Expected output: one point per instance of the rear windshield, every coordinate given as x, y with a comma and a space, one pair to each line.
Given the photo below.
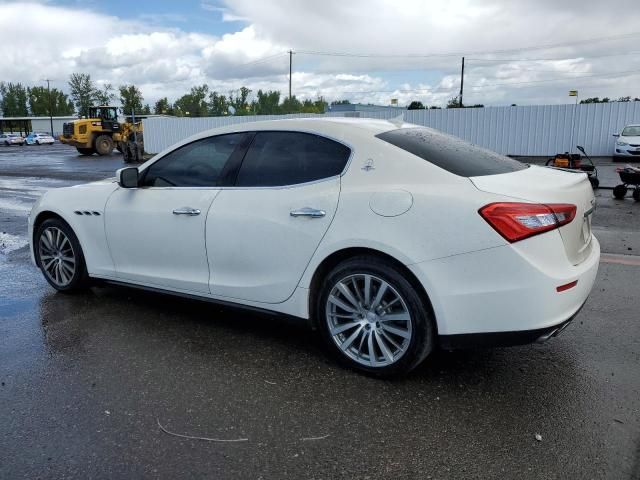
450, 153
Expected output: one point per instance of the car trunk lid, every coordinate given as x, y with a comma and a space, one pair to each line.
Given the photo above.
550, 185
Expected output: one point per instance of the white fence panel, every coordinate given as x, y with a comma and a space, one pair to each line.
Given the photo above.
537, 130
534, 130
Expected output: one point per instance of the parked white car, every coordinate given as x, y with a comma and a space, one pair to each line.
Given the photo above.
39, 139
628, 142
391, 239
8, 139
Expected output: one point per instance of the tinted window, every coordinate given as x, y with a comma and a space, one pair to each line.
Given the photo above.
288, 158
197, 164
450, 153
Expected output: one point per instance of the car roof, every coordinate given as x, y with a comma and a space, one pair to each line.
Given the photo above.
332, 126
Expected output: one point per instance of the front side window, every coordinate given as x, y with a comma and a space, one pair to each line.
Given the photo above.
197, 164
289, 158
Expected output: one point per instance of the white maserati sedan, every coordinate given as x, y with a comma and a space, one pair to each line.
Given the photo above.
392, 239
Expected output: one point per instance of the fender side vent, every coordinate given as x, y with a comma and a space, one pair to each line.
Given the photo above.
87, 212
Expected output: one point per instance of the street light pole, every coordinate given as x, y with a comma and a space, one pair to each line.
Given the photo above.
50, 108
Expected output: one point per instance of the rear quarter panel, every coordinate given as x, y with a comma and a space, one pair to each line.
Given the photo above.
443, 219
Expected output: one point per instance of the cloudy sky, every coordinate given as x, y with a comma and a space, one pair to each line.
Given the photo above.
517, 51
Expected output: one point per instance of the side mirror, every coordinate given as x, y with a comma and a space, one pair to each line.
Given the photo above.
127, 177
615, 134
581, 149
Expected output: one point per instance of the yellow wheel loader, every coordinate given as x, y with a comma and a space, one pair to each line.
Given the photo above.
100, 133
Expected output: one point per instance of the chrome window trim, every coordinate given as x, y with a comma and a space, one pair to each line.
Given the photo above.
278, 187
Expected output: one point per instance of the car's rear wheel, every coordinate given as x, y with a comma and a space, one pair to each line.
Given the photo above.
636, 194
373, 319
60, 257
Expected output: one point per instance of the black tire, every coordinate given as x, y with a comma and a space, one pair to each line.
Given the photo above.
595, 183
422, 324
6, 144
636, 194
85, 151
103, 145
80, 279
619, 191
38, 142
119, 147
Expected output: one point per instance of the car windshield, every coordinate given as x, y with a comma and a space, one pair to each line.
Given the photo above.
631, 131
451, 153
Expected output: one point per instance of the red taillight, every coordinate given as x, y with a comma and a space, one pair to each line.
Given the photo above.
566, 286
517, 221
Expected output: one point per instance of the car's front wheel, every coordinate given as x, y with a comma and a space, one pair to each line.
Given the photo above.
373, 319
60, 257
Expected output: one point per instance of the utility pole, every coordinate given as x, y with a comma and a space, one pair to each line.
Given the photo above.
462, 82
50, 109
290, 70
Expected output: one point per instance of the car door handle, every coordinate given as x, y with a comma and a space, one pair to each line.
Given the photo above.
308, 212
192, 212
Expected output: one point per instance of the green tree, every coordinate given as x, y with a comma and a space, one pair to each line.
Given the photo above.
130, 99
415, 105
146, 110
239, 103
313, 106
194, 103
83, 92
105, 95
454, 102
341, 102
291, 105
14, 100
267, 103
163, 107
218, 104
38, 98
595, 100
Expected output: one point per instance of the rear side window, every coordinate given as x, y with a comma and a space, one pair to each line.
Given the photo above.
288, 158
197, 164
451, 153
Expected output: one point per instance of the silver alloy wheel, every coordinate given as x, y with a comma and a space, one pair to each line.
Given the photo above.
57, 257
369, 320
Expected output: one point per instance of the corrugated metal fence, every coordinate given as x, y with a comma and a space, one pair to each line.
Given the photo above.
526, 130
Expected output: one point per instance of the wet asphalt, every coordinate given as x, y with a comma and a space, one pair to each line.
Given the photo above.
91, 383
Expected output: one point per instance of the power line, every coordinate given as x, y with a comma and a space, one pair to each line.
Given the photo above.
612, 74
262, 60
499, 60
452, 89
457, 54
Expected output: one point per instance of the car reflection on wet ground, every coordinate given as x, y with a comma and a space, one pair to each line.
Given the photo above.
88, 380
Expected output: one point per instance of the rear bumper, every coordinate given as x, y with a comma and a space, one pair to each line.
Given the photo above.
508, 294
503, 339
